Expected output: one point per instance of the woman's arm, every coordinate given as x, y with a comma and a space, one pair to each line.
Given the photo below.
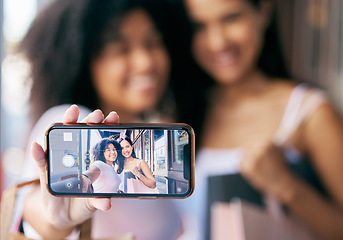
92, 173
148, 179
323, 139
264, 166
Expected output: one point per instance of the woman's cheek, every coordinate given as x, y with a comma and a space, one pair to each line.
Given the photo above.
162, 61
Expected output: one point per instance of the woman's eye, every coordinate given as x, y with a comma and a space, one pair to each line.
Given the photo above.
231, 17
115, 49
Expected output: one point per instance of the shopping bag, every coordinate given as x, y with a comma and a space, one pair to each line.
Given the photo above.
240, 220
135, 185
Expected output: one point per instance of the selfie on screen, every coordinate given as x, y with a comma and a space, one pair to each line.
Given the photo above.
123, 161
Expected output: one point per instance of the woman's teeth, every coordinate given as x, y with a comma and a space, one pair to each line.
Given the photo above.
142, 83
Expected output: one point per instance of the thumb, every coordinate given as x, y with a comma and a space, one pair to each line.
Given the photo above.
103, 204
83, 208
38, 154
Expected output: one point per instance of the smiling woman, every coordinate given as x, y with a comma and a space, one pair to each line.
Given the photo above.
260, 124
131, 72
138, 167
108, 55
101, 172
115, 59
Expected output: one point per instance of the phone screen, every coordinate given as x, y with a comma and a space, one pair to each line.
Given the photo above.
147, 160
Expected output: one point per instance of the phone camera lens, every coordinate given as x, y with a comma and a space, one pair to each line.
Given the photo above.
69, 185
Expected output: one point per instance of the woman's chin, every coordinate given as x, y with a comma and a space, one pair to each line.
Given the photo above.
145, 107
227, 79
143, 103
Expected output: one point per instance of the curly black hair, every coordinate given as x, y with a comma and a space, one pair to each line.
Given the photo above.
99, 148
63, 40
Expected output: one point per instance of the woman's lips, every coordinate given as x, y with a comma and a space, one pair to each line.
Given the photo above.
125, 153
225, 59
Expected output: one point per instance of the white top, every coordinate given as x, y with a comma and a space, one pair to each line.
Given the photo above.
215, 162
147, 219
108, 180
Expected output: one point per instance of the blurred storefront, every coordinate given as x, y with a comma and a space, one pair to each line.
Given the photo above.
163, 151
312, 37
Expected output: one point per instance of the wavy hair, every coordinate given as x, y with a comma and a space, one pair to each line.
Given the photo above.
63, 40
99, 149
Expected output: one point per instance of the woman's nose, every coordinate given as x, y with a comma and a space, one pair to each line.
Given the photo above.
216, 40
142, 61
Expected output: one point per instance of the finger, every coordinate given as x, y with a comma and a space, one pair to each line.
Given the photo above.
38, 154
112, 118
103, 204
95, 117
71, 115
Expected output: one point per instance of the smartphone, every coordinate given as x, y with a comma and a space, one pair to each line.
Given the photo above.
121, 160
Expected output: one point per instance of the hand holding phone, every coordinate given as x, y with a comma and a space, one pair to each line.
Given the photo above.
68, 212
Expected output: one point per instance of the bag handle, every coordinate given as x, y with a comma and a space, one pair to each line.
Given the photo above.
8, 200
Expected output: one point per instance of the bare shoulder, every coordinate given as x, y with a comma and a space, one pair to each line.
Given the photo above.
138, 161
279, 91
282, 88
326, 116
281, 85
323, 126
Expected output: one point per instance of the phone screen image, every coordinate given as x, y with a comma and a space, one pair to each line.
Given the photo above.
120, 160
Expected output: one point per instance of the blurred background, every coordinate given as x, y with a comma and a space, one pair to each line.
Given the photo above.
311, 32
